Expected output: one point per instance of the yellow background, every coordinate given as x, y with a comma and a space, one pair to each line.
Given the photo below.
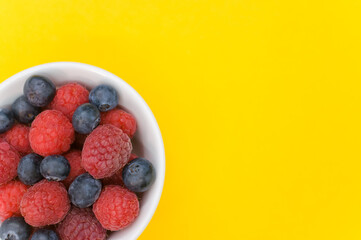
258, 101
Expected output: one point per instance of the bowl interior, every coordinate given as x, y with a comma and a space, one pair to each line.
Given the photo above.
147, 141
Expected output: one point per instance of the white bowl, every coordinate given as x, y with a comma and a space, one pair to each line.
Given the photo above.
147, 141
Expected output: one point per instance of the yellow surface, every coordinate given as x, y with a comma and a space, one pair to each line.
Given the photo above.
259, 103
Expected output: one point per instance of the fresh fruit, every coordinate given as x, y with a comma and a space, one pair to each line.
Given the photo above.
15, 228
86, 118
45, 234
18, 137
69, 117
23, 111
11, 194
121, 119
6, 120
104, 97
45, 203
105, 151
55, 168
39, 91
81, 224
74, 158
138, 175
29, 169
51, 133
9, 160
116, 207
116, 178
79, 140
132, 156
84, 190
68, 98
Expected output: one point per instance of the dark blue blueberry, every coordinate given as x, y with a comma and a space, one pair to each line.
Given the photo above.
84, 190
6, 119
55, 168
39, 91
15, 228
104, 97
29, 169
44, 234
138, 175
86, 118
23, 111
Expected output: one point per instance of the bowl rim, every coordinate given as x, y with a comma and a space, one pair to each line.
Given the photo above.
162, 165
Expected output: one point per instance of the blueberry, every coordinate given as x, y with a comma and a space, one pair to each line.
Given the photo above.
104, 97
6, 119
23, 111
84, 190
86, 118
55, 168
138, 175
15, 228
39, 91
29, 169
44, 234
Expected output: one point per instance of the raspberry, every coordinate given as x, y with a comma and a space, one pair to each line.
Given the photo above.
18, 137
74, 158
132, 156
116, 178
105, 151
120, 119
2, 136
79, 140
51, 133
9, 160
11, 194
68, 98
81, 224
116, 208
45, 203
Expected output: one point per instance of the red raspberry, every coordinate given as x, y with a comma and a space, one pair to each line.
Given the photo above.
45, 203
79, 140
74, 158
9, 160
132, 157
106, 150
51, 133
116, 207
120, 119
11, 194
18, 137
68, 98
81, 224
116, 178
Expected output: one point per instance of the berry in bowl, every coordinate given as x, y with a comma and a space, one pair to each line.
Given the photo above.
81, 155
